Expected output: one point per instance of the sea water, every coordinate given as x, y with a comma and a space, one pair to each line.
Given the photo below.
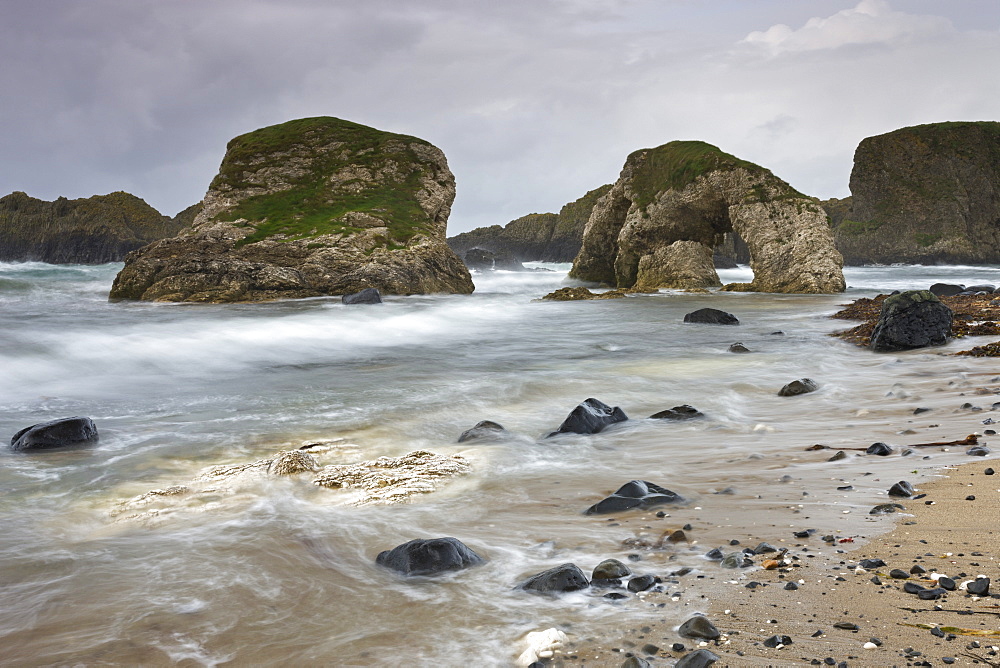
284, 572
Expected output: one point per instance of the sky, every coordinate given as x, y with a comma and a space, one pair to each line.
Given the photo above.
534, 102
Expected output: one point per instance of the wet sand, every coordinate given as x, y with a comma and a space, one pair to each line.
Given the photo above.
939, 530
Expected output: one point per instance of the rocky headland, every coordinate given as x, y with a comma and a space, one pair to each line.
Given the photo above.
311, 207
928, 194
672, 205
93, 230
536, 237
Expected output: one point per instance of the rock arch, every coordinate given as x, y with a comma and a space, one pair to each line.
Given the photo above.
673, 204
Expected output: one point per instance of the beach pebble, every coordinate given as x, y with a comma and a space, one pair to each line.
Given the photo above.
698, 626
797, 387
931, 594
871, 563
776, 640
765, 548
590, 417
989, 472
700, 658
683, 412
886, 509
736, 560
636, 662
978, 451
979, 587
846, 626
880, 449
610, 569
429, 556
901, 489
791, 586
634, 494
837, 457
485, 430
562, 578
714, 554
899, 574
641, 583
946, 583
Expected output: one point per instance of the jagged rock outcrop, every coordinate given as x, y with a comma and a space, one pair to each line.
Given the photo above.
925, 194
314, 206
94, 230
672, 205
537, 237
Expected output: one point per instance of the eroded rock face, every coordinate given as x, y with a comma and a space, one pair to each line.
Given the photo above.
674, 204
102, 228
315, 206
927, 194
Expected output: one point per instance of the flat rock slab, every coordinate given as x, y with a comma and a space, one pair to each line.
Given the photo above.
711, 316
635, 494
429, 557
64, 433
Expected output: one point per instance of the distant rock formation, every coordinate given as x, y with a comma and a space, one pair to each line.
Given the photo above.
98, 229
311, 207
659, 223
925, 194
537, 237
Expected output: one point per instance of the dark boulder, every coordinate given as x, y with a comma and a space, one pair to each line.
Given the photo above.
590, 417
902, 489
484, 430
976, 289
641, 583
429, 557
562, 578
634, 494
946, 289
700, 627
880, 449
711, 316
610, 569
700, 658
684, 412
797, 387
64, 433
911, 319
366, 296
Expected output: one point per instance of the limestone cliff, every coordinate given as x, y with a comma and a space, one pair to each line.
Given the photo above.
315, 206
672, 205
98, 229
537, 237
925, 194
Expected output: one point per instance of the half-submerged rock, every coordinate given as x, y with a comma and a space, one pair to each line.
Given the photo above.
659, 223
429, 557
485, 430
911, 319
711, 316
366, 296
634, 494
797, 387
64, 433
590, 417
562, 578
311, 207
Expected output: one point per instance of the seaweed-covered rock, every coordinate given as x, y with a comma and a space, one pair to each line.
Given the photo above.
98, 229
429, 557
63, 433
911, 319
311, 207
590, 417
672, 205
562, 578
635, 494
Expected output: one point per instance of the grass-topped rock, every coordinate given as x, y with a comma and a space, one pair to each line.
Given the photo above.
314, 206
672, 205
928, 194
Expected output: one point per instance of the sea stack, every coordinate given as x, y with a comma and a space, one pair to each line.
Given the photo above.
672, 205
311, 207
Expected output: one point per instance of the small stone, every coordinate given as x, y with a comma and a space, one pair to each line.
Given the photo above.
701, 658
818, 633
485, 430
650, 649
901, 489
978, 451
918, 411
714, 554
979, 587
641, 583
947, 583
677, 647
837, 457
869, 564
615, 596
791, 586
917, 569
610, 569
846, 626
562, 578
885, 509
971, 497
912, 588
989, 472
776, 640
937, 632
735, 560
636, 662
876, 580
765, 548
699, 626
804, 534
880, 449
797, 387
684, 412
931, 594
738, 348
899, 574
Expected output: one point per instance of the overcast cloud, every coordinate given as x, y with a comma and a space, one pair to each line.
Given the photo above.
534, 102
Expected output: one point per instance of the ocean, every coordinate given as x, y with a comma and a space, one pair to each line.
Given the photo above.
278, 571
